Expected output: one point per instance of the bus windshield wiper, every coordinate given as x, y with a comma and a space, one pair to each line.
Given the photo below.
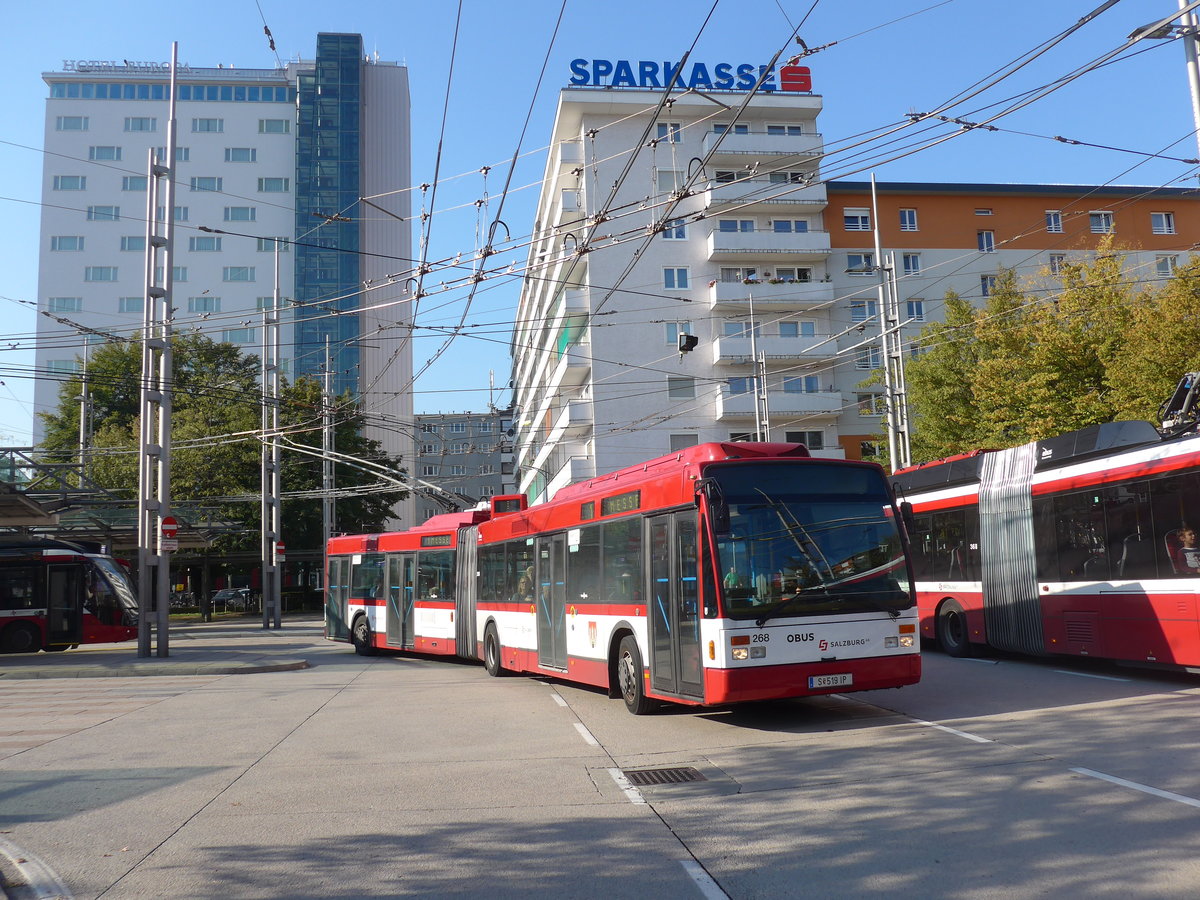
787, 601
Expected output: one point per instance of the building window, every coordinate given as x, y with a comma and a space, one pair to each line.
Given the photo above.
457, 428
459, 448
107, 154
181, 214
793, 275
1054, 221
738, 384
70, 182
241, 154
813, 440
861, 310
238, 336
485, 427
64, 242
738, 275
670, 131
71, 123
208, 125
797, 329
1162, 223
742, 329
62, 366
726, 128
268, 245
206, 183
681, 387
1164, 265
241, 213
129, 304
912, 263
178, 273
908, 220
675, 230
134, 183
182, 154
790, 226
428, 470
1056, 263
65, 304
205, 304
789, 178
272, 185
675, 279
728, 225
428, 428
668, 180
868, 358
204, 244
429, 448
237, 273
274, 126
682, 441
857, 219
801, 384
736, 436
1101, 222
133, 243
870, 404
860, 263
141, 123
487, 469
986, 241
100, 273
983, 212
785, 130
987, 285
724, 176
916, 310
674, 330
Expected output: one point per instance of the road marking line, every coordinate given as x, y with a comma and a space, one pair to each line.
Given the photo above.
1144, 788
41, 882
559, 700
704, 881
1089, 675
634, 795
586, 735
962, 734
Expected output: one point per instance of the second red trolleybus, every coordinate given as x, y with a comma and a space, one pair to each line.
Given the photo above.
725, 572
1082, 544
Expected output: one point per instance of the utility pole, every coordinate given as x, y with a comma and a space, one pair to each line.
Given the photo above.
272, 581
890, 348
328, 510
762, 415
85, 413
154, 444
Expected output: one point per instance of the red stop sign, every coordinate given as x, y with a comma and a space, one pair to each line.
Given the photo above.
169, 527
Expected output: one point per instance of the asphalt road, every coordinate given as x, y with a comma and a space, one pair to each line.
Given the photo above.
401, 776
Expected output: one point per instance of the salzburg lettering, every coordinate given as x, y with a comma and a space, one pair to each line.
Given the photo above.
721, 77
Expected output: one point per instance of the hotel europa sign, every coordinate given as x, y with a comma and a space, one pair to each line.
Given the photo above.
122, 67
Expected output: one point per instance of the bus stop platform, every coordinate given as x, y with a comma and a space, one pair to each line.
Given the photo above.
217, 648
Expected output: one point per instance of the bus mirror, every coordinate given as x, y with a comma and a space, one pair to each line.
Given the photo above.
906, 515
718, 509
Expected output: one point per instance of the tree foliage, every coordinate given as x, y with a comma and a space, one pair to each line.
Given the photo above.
216, 451
1051, 356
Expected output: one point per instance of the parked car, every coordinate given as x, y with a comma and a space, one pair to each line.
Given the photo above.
233, 598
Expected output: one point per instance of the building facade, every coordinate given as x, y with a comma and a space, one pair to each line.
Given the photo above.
461, 457
265, 158
771, 271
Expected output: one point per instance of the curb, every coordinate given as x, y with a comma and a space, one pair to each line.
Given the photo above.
25, 877
151, 669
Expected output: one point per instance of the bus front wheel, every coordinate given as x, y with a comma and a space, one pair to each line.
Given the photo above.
631, 678
20, 637
360, 636
952, 631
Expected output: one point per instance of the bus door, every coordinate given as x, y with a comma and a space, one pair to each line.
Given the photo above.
673, 604
400, 596
64, 600
552, 601
337, 593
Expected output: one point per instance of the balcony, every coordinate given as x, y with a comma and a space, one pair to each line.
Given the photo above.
575, 469
570, 208
780, 403
756, 245
575, 421
788, 295
570, 153
784, 197
573, 367
760, 145
734, 351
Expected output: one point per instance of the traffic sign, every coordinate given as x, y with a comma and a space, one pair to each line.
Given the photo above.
168, 545
280, 551
170, 527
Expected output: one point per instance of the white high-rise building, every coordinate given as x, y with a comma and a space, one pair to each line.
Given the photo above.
261, 154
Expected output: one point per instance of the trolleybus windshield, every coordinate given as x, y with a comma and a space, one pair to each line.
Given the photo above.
808, 540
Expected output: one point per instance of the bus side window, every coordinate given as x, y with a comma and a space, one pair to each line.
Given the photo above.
17, 588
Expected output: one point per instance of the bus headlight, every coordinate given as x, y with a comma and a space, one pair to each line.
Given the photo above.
758, 652
906, 640
741, 652
890, 643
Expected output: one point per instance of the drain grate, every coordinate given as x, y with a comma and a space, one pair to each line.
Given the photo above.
644, 777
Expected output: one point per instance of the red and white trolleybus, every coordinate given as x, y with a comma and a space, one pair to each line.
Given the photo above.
1082, 544
57, 594
722, 573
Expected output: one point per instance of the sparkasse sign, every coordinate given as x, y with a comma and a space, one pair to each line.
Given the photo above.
721, 77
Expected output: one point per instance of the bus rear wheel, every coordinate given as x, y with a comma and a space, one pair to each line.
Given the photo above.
20, 637
360, 636
952, 631
491, 652
630, 677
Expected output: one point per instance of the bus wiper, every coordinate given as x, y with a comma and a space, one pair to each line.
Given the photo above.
787, 601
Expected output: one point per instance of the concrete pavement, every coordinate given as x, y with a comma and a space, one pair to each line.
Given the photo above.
194, 649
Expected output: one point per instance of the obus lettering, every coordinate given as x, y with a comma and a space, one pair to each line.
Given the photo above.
798, 637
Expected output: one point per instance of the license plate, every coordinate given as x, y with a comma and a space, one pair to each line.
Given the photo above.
827, 681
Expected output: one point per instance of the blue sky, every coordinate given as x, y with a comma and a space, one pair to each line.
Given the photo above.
876, 71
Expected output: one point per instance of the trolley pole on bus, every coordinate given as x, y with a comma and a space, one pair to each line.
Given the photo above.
271, 521
154, 444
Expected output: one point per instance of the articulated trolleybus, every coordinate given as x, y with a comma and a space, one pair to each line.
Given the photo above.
726, 572
1082, 544
58, 594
